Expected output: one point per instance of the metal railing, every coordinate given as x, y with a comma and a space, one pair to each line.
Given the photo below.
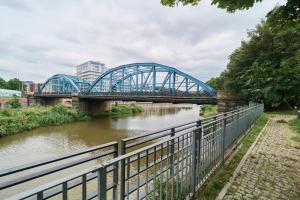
168, 164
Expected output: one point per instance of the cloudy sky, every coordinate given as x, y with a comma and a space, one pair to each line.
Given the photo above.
42, 38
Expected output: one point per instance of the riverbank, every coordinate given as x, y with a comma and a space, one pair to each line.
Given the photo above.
208, 110
117, 109
23, 119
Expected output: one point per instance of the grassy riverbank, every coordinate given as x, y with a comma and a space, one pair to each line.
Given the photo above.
212, 188
22, 119
208, 110
124, 109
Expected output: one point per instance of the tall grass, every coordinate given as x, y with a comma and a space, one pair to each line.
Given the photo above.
22, 119
208, 110
118, 109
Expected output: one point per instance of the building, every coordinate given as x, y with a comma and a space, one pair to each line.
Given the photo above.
28, 86
4, 93
90, 70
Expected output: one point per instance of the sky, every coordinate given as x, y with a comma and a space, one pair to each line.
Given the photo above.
41, 38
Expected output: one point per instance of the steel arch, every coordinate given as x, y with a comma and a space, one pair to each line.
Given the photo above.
149, 79
64, 84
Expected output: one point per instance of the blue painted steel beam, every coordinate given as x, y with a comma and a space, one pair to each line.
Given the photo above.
136, 77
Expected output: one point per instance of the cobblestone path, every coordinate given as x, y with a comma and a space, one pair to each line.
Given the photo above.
272, 169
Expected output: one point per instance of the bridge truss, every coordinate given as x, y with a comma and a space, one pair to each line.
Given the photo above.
149, 79
65, 84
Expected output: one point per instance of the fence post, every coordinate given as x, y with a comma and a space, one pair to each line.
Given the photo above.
199, 136
200, 131
223, 139
172, 152
236, 128
101, 183
298, 114
194, 167
116, 171
122, 171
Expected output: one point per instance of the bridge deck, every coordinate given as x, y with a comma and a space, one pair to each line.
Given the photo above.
155, 99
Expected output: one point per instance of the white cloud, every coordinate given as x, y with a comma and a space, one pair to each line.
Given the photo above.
41, 38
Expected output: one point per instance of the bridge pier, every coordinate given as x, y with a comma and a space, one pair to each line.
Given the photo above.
229, 101
32, 100
90, 105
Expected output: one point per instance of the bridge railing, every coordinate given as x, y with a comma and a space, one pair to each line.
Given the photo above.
167, 94
171, 168
157, 93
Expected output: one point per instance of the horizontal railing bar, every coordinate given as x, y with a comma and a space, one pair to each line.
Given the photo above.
157, 162
130, 154
159, 131
131, 145
54, 183
75, 183
151, 151
71, 185
45, 172
51, 160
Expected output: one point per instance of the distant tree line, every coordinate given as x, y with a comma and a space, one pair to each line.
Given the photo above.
266, 67
12, 84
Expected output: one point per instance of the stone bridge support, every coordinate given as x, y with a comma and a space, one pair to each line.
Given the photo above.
46, 101
90, 105
229, 101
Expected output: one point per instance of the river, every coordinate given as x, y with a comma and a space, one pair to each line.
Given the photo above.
47, 142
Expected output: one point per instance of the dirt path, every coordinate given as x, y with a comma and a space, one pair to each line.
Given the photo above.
272, 169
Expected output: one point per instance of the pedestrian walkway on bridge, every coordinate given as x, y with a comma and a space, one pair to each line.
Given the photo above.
271, 169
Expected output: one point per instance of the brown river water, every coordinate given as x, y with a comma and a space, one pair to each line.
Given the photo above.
48, 142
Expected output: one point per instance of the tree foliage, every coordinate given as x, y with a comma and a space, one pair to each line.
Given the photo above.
229, 5
12, 84
266, 68
2, 83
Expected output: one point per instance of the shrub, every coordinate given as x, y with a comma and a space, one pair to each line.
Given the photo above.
13, 103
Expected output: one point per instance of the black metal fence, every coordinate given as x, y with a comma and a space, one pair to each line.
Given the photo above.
168, 164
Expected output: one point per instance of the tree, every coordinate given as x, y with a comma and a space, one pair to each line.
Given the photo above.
2, 83
229, 5
266, 68
14, 84
285, 13
219, 82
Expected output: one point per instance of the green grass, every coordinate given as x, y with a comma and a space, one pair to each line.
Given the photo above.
212, 188
295, 125
284, 112
118, 110
23, 119
163, 187
208, 110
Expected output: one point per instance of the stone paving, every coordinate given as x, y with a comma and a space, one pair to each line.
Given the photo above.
272, 169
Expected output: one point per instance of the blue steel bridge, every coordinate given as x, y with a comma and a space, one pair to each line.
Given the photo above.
133, 82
